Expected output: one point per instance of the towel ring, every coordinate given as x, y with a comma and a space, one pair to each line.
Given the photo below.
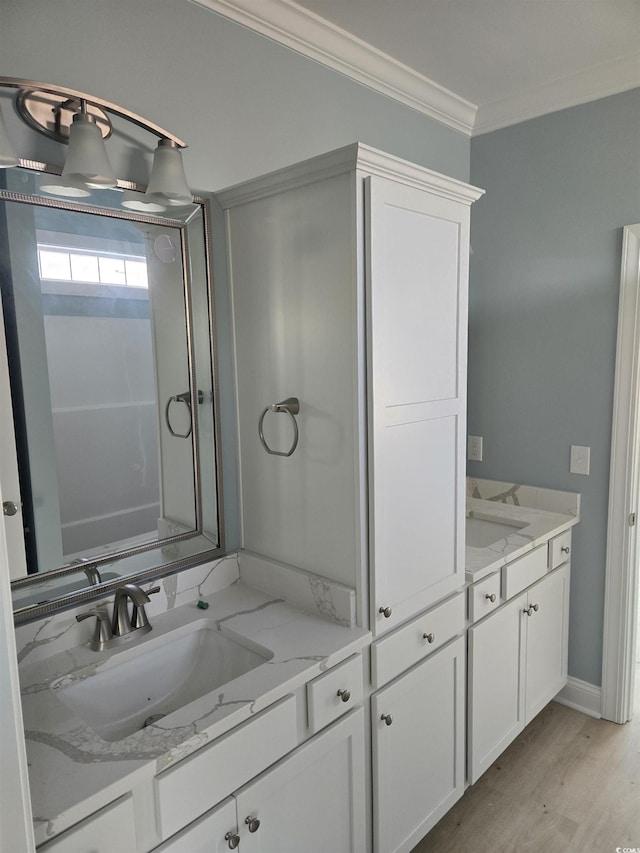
291, 406
185, 398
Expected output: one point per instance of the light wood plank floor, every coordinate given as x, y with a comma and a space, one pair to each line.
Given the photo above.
567, 784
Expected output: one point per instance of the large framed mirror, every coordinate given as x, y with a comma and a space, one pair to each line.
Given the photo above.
109, 449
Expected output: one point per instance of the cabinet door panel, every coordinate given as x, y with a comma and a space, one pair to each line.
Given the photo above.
206, 835
547, 640
417, 304
496, 696
111, 830
418, 760
313, 800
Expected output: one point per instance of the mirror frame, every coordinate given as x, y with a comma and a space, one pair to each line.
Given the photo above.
144, 552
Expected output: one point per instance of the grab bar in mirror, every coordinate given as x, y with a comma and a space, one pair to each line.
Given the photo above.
185, 398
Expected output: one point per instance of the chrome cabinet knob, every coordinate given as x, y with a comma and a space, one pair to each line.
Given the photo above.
232, 839
345, 695
535, 607
253, 823
10, 508
565, 549
527, 610
386, 611
491, 597
387, 719
429, 637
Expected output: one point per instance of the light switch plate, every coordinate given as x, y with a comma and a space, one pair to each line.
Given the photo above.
580, 459
474, 448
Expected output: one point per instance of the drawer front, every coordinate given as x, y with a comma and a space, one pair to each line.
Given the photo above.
524, 571
559, 550
334, 693
484, 597
189, 789
112, 828
415, 641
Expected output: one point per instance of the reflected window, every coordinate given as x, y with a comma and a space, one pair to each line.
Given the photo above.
57, 263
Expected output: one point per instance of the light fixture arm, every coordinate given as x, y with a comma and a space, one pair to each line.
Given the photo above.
34, 85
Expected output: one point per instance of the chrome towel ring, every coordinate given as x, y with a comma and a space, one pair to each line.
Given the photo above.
185, 398
291, 406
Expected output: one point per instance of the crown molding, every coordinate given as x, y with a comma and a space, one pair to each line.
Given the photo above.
288, 24
603, 80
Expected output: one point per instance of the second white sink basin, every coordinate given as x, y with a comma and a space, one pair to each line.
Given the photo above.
481, 532
156, 677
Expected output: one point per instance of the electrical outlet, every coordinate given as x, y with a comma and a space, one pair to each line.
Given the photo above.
580, 459
474, 448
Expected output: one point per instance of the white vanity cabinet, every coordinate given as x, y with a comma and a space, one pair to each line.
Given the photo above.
311, 801
517, 664
418, 738
111, 830
349, 284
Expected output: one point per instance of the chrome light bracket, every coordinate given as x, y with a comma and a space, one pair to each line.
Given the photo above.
52, 114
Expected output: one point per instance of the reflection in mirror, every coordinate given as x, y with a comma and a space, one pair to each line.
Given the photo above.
108, 322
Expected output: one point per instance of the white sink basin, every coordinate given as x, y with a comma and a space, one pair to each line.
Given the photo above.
157, 677
481, 532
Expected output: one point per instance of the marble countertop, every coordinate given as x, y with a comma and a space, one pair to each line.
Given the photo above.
73, 772
535, 526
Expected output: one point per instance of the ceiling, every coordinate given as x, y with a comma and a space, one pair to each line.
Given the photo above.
483, 64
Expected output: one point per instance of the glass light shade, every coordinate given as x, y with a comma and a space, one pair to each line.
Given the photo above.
167, 175
70, 186
87, 157
8, 156
143, 202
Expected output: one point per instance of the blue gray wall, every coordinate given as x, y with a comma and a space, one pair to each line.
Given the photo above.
245, 105
544, 287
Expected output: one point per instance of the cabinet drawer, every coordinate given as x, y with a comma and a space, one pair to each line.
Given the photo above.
189, 789
524, 571
409, 644
484, 597
334, 693
559, 549
109, 830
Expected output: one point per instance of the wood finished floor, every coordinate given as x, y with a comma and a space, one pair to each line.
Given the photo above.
568, 784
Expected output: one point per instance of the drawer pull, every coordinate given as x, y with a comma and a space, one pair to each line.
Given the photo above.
491, 597
387, 719
345, 695
233, 839
429, 637
386, 611
253, 823
565, 549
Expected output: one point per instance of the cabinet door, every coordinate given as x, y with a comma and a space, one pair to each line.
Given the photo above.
418, 749
547, 640
417, 302
215, 832
311, 801
496, 695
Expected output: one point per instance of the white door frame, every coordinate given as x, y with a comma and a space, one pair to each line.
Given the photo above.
621, 583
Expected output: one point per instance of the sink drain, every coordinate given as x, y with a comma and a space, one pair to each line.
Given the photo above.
152, 719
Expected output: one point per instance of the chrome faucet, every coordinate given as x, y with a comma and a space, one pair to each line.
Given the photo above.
121, 626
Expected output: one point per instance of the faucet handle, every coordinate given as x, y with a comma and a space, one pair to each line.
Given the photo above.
103, 632
139, 617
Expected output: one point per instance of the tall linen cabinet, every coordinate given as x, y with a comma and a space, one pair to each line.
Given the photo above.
349, 278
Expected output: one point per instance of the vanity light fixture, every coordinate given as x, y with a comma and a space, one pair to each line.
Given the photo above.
82, 121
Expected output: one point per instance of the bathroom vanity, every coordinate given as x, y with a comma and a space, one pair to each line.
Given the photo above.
376, 658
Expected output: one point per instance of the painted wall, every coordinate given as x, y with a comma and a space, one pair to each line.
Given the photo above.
244, 104
544, 287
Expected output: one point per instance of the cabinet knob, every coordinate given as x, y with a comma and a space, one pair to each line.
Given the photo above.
386, 611
491, 596
528, 610
536, 607
345, 695
9, 508
565, 549
387, 719
232, 839
429, 637
253, 823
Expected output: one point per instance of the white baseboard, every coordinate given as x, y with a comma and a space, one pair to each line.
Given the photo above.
581, 696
